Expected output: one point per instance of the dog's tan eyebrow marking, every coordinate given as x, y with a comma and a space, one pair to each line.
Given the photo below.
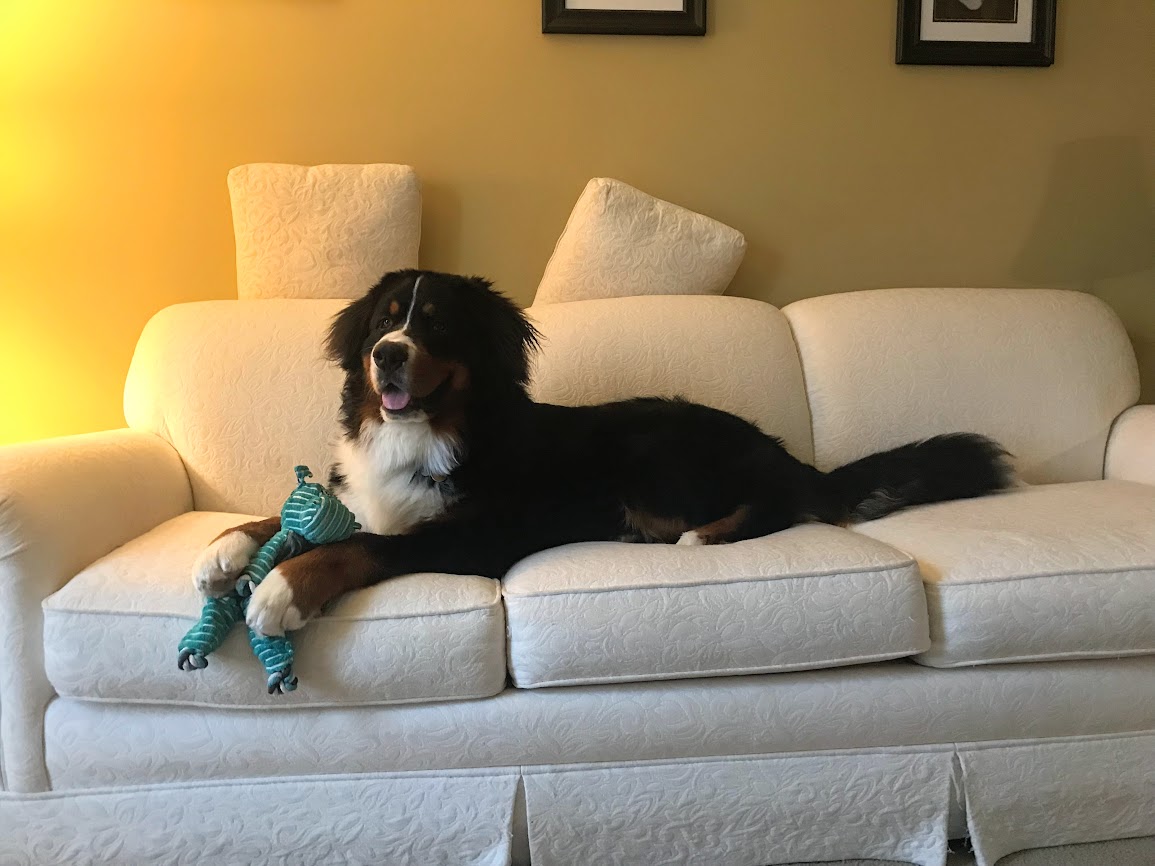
429, 309
413, 300
394, 308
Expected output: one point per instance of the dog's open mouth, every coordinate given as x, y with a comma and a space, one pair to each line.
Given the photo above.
398, 401
395, 399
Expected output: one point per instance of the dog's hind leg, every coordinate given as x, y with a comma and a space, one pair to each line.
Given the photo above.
745, 521
762, 516
718, 532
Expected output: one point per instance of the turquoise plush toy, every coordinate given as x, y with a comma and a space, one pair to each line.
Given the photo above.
310, 516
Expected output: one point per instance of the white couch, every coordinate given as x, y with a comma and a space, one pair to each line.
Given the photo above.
982, 667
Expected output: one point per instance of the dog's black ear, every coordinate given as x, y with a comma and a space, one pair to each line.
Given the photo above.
350, 330
514, 338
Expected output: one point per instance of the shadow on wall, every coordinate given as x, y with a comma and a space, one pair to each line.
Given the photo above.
761, 267
1095, 231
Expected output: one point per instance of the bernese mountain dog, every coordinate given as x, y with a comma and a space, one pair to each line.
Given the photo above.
451, 467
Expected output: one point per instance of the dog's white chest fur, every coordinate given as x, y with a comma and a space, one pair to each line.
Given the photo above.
385, 471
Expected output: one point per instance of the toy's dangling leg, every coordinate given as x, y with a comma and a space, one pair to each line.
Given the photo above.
284, 545
217, 617
276, 654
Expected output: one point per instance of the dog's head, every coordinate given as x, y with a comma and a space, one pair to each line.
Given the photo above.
420, 343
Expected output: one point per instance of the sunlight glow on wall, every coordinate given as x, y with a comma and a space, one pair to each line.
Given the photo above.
45, 46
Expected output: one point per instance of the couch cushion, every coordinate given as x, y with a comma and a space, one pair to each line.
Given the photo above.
733, 354
1053, 572
809, 597
1044, 372
111, 634
322, 231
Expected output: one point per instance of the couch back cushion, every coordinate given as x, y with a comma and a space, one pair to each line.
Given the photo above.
243, 392
621, 242
731, 353
1044, 372
322, 231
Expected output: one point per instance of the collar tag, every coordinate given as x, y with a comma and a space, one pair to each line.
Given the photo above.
430, 478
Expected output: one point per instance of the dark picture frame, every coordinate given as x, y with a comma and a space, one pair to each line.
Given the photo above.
691, 21
912, 49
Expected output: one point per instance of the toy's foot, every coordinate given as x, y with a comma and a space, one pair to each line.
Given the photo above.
282, 682
188, 660
219, 565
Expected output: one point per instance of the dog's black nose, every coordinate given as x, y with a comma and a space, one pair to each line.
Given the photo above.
389, 355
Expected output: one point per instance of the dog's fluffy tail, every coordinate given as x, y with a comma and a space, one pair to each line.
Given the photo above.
954, 466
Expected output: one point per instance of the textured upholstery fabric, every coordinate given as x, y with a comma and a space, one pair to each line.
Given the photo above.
810, 597
322, 231
730, 353
893, 803
1131, 448
242, 390
1050, 572
863, 706
63, 503
888, 806
111, 634
390, 819
619, 241
1044, 372
1078, 790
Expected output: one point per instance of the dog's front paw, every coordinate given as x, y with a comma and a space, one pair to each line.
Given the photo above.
219, 565
272, 609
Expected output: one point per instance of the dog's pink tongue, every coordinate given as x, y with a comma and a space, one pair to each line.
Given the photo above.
395, 401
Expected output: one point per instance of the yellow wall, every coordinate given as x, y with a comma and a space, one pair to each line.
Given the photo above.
790, 121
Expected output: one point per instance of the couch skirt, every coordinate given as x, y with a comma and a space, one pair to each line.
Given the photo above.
882, 761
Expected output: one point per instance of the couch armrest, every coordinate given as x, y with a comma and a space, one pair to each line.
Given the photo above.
63, 504
1131, 446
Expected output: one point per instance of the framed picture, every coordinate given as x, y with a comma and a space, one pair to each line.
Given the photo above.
976, 32
631, 17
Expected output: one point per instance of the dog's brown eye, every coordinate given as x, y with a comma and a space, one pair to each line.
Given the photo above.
386, 322
438, 328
